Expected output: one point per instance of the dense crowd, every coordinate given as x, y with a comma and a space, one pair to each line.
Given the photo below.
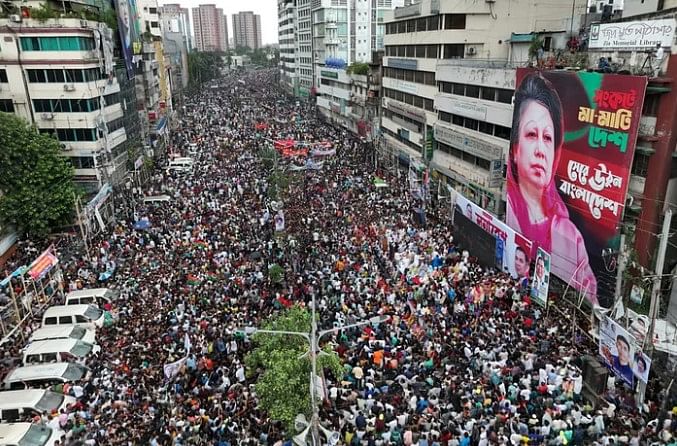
464, 358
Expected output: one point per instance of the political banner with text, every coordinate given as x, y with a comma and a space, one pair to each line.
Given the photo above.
571, 150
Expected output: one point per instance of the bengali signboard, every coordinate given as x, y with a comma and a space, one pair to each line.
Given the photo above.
632, 35
467, 143
405, 64
573, 141
329, 74
404, 110
468, 109
516, 248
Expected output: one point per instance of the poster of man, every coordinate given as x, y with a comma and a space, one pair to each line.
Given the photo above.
617, 347
540, 284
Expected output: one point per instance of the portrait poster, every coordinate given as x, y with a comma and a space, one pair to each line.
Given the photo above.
541, 278
130, 32
516, 249
571, 150
617, 349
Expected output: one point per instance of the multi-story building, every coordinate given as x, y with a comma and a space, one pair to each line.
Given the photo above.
304, 48
60, 75
209, 25
448, 81
175, 20
150, 17
344, 33
247, 30
286, 13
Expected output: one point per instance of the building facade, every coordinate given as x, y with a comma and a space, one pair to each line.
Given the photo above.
209, 26
286, 14
175, 20
247, 30
150, 17
58, 77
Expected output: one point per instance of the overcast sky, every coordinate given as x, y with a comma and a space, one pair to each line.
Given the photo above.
267, 9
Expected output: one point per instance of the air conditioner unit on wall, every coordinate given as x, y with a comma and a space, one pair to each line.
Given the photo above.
470, 50
66, 147
69, 87
83, 23
16, 18
47, 116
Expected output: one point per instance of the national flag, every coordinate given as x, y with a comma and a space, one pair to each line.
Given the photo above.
192, 279
201, 244
212, 277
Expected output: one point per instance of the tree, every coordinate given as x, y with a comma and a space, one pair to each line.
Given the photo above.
36, 182
283, 384
204, 66
358, 68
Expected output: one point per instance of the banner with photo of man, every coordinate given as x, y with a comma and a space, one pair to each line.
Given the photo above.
572, 145
130, 32
513, 249
622, 353
541, 278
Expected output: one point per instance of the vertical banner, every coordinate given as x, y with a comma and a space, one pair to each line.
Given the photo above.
130, 32
571, 149
541, 280
621, 353
515, 249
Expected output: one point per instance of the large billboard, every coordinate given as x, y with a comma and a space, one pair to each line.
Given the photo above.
130, 32
513, 251
571, 149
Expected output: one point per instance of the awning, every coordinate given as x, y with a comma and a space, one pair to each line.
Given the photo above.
161, 125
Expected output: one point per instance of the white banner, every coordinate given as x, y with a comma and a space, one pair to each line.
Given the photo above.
172, 369
632, 35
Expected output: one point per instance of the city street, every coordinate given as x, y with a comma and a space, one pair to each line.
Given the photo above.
463, 357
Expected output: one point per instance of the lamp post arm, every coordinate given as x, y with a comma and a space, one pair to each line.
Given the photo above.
306, 336
345, 327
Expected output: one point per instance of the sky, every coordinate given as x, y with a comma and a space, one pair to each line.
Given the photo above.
267, 9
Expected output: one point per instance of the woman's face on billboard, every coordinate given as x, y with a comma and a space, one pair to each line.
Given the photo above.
535, 151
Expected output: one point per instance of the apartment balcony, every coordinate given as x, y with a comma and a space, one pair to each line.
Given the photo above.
331, 25
331, 41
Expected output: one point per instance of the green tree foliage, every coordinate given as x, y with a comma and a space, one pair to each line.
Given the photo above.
36, 182
276, 273
283, 384
358, 68
203, 67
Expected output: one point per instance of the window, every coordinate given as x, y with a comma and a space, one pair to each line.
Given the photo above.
650, 107
65, 320
55, 76
431, 52
6, 105
66, 43
640, 165
453, 51
410, 51
547, 42
421, 24
459, 89
504, 96
36, 76
420, 51
472, 91
457, 120
3, 76
74, 75
488, 93
502, 132
454, 21
433, 23
471, 124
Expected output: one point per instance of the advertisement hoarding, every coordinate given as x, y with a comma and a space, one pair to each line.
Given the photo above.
130, 32
516, 249
541, 279
571, 149
632, 35
618, 349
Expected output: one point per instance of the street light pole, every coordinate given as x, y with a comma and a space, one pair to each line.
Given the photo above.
313, 339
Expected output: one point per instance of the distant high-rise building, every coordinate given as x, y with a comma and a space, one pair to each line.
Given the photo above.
175, 20
210, 29
247, 30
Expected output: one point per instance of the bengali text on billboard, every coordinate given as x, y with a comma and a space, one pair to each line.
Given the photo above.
515, 250
571, 149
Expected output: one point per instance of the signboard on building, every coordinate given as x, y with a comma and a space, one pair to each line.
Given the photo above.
336, 108
619, 350
408, 87
329, 74
496, 173
469, 144
405, 64
515, 248
632, 35
573, 152
409, 112
469, 109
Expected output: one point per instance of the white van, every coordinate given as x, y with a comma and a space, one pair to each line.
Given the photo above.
88, 316
28, 434
18, 404
64, 332
58, 350
157, 199
96, 296
41, 375
181, 164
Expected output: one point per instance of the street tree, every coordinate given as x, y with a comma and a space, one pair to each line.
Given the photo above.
36, 182
204, 66
282, 375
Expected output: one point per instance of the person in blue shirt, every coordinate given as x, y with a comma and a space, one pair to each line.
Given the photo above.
621, 361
